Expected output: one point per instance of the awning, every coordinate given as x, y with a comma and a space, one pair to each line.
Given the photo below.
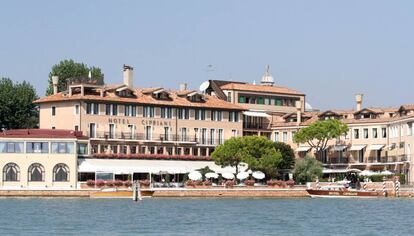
255, 114
303, 149
375, 147
339, 171
357, 147
339, 148
142, 166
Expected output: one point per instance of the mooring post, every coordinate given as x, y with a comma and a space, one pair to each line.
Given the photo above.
134, 191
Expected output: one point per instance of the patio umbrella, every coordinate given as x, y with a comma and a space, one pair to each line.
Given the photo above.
212, 175
386, 172
366, 173
195, 175
258, 175
227, 175
242, 175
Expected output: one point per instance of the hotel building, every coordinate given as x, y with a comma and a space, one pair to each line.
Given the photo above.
378, 138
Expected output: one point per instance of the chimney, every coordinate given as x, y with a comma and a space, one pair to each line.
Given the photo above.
183, 86
298, 105
358, 99
55, 80
129, 76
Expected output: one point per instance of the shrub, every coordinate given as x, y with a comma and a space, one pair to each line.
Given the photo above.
90, 182
230, 183
249, 182
127, 183
109, 183
290, 183
190, 183
207, 183
144, 182
99, 183
278, 183
118, 183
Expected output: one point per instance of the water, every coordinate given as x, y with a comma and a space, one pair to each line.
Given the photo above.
35, 216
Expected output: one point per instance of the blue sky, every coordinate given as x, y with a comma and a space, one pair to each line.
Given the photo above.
329, 50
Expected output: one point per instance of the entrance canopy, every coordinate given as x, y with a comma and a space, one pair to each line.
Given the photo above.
357, 147
339, 148
303, 149
142, 166
255, 114
375, 147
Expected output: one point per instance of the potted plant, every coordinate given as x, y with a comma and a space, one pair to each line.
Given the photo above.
109, 183
118, 183
127, 183
249, 182
99, 183
230, 183
90, 183
145, 183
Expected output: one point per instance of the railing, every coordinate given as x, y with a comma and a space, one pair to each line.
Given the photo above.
367, 160
256, 125
155, 137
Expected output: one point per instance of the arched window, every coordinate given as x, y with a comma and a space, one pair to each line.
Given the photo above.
11, 172
36, 173
61, 173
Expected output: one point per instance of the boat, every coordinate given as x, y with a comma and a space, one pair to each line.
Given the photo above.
340, 191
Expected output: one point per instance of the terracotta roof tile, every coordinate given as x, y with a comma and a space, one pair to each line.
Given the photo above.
261, 88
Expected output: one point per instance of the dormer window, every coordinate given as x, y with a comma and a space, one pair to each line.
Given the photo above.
124, 92
161, 94
195, 97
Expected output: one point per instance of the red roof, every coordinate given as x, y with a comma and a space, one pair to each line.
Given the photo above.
42, 133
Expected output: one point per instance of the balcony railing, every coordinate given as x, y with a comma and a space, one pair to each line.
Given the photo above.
367, 160
155, 137
256, 125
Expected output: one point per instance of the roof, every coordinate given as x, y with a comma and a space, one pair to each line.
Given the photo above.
144, 96
407, 107
42, 133
261, 88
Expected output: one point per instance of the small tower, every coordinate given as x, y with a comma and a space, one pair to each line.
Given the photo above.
267, 78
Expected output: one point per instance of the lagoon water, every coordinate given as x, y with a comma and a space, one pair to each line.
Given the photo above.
35, 216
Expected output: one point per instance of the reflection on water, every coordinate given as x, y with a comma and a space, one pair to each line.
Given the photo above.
36, 216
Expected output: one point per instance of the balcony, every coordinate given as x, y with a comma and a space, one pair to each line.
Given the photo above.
367, 160
156, 138
256, 125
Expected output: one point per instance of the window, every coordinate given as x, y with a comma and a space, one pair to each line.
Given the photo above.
63, 147
242, 99
166, 112
267, 101
82, 148
366, 133
148, 111
285, 134
293, 135
183, 134
183, 113
200, 114
111, 131
228, 96
127, 110
374, 133
383, 132
11, 147
233, 133
166, 133
203, 136
410, 129
148, 132
11, 172
37, 147
53, 111
220, 136
76, 127
131, 132
36, 173
212, 136
260, 100
356, 133
216, 115
92, 108
233, 116
77, 109
276, 136
92, 130
61, 173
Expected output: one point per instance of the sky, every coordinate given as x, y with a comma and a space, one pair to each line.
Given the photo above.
329, 50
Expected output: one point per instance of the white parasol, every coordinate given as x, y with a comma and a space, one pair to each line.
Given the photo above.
227, 175
212, 175
194, 175
258, 175
386, 172
242, 175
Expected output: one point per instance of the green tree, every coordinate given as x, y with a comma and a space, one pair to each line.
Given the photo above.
288, 156
307, 169
70, 69
319, 133
258, 152
16, 105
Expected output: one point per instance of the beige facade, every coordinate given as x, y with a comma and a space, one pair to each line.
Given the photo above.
39, 159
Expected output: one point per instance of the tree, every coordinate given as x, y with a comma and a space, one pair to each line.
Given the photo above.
16, 105
288, 156
307, 169
319, 133
258, 152
69, 69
